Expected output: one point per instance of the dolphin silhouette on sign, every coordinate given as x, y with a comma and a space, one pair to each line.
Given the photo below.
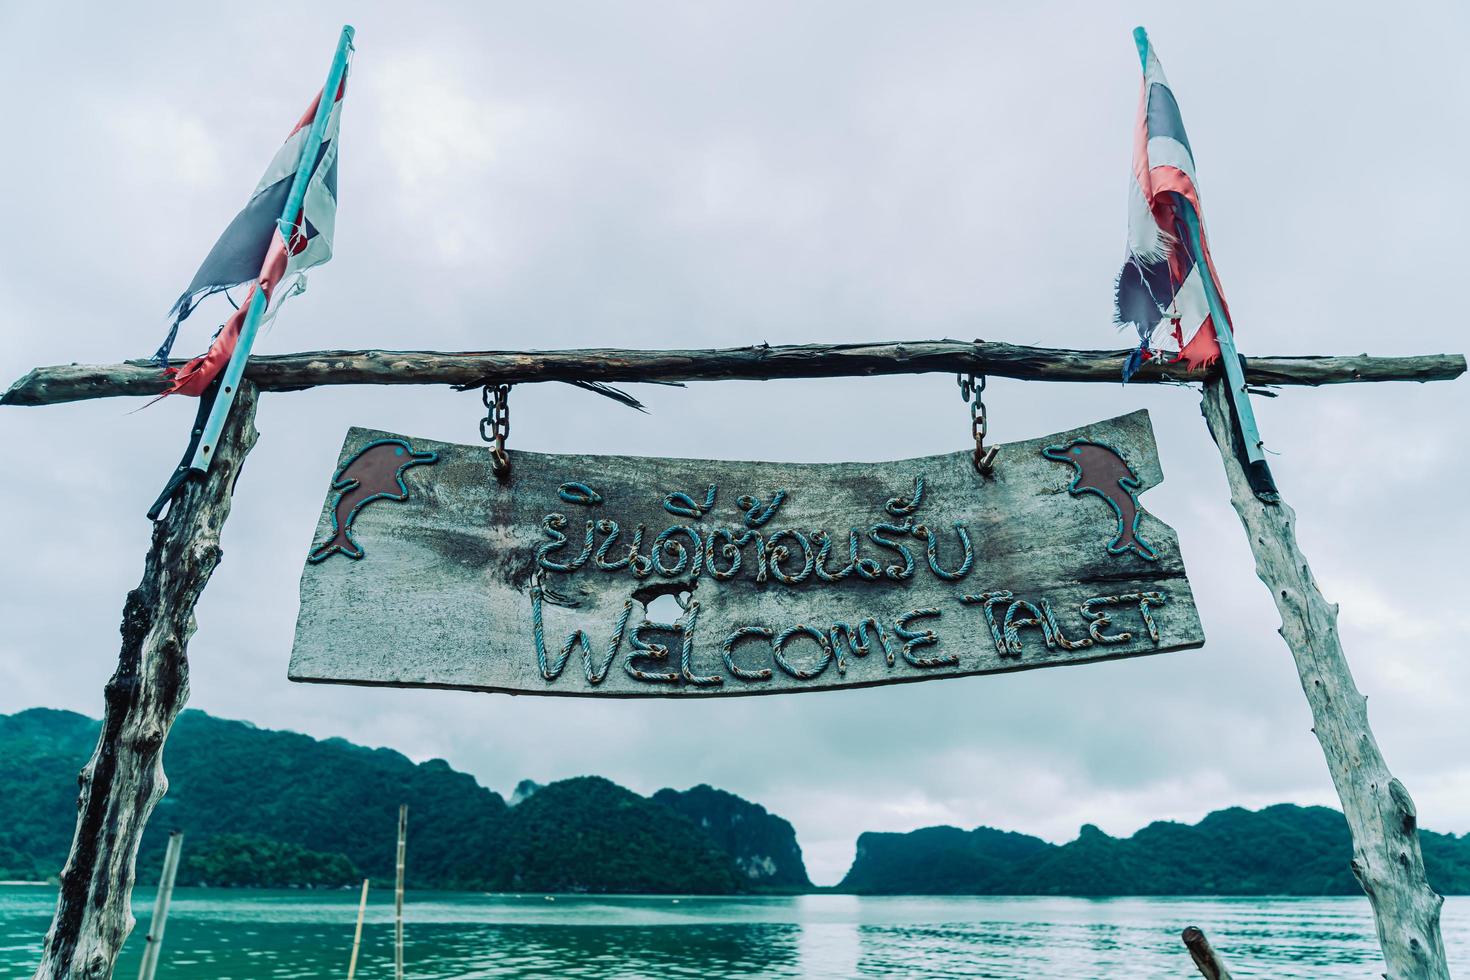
375, 472
1102, 471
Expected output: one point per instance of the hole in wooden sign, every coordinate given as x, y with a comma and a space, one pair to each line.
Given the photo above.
665, 608
664, 602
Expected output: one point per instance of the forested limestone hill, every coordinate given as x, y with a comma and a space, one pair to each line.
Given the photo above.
276, 808
763, 845
1280, 850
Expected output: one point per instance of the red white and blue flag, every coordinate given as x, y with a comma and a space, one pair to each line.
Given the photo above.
254, 249
1160, 291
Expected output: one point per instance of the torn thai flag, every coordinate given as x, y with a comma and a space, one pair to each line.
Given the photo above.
1160, 291
253, 249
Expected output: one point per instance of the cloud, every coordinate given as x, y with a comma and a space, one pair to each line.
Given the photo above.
667, 175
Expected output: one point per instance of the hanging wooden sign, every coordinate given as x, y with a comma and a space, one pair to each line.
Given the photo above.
427, 572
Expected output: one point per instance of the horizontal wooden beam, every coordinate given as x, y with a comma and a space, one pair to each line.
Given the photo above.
291, 372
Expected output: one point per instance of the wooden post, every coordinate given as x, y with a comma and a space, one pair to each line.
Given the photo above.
160, 907
124, 779
398, 893
292, 372
1211, 964
357, 933
1386, 857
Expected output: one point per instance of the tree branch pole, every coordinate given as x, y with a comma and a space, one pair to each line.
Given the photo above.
124, 779
1386, 857
291, 372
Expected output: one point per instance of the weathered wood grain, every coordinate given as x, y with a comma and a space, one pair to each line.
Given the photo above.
446, 593
1386, 856
289, 372
124, 779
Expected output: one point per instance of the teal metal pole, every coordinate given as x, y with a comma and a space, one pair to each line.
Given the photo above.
1234, 375
230, 377
1245, 416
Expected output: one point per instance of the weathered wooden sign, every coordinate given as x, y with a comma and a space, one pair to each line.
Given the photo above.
427, 572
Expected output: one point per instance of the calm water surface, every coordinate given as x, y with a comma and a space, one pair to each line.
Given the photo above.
249, 935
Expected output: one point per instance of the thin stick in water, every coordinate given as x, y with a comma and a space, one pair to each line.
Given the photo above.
357, 933
398, 894
160, 906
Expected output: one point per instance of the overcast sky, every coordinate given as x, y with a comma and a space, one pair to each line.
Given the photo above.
710, 174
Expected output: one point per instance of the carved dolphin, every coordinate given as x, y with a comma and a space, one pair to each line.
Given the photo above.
1102, 471
375, 472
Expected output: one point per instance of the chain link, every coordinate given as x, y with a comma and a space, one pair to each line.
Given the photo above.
972, 390
495, 426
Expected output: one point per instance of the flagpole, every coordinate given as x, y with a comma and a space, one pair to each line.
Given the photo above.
1261, 481
230, 379
1245, 417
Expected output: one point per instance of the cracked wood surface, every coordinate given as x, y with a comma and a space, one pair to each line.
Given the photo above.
290, 372
445, 591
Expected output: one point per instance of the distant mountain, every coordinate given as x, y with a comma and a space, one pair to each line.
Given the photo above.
591, 835
249, 860
936, 860
524, 790
273, 808
762, 845
229, 777
263, 807
41, 752
1280, 850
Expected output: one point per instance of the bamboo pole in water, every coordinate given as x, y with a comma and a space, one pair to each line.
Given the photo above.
154, 940
357, 933
398, 894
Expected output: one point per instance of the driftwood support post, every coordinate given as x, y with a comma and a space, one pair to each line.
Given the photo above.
1386, 856
154, 949
124, 780
1211, 964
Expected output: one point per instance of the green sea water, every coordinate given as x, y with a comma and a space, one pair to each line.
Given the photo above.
250, 935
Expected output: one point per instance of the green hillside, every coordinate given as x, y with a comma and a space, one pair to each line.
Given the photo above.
762, 845
272, 808
589, 834
263, 807
1280, 850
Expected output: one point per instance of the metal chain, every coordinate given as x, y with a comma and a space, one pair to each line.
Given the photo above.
972, 390
495, 426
